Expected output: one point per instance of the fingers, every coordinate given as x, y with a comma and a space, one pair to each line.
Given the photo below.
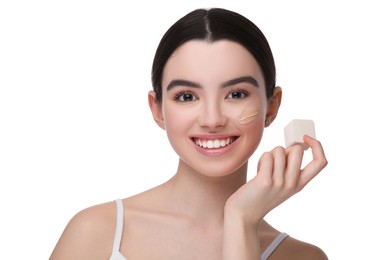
265, 168
280, 175
273, 164
317, 164
282, 166
293, 169
279, 155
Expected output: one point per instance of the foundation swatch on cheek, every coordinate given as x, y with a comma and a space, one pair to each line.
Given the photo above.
248, 115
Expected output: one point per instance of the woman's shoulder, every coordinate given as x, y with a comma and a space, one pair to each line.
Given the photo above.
290, 247
293, 248
100, 215
89, 234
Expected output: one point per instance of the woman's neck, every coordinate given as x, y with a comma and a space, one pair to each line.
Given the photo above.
202, 197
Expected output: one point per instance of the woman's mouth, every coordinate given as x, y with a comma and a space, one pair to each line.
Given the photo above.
214, 143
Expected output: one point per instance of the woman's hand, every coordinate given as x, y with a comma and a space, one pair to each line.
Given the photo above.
279, 176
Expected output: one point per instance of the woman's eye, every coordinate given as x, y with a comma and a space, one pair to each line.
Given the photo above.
237, 95
185, 97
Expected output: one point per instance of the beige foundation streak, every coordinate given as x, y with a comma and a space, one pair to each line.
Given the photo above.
248, 115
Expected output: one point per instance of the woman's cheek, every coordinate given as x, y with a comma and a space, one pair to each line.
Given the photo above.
251, 120
176, 121
248, 115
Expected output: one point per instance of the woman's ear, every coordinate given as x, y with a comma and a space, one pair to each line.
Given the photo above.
273, 106
155, 108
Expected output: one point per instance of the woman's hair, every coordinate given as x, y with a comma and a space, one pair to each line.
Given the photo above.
212, 25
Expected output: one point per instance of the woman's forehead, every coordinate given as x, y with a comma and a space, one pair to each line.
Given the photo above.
218, 60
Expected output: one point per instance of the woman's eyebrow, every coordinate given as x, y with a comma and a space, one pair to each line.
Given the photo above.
244, 79
183, 83
232, 82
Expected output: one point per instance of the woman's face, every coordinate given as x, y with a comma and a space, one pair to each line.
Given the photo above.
213, 105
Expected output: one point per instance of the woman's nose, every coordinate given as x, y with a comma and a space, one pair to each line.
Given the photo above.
212, 116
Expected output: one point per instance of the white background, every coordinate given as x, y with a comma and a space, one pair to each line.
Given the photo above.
75, 128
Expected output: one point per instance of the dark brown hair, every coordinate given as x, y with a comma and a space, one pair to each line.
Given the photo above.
212, 25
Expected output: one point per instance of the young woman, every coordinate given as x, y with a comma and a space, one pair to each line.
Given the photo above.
213, 93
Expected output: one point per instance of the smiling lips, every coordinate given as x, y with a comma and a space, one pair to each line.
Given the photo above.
214, 143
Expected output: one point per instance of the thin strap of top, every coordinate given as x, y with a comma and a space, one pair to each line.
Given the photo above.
271, 248
119, 225
116, 255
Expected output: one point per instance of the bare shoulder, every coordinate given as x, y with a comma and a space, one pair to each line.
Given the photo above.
292, 248
89, 234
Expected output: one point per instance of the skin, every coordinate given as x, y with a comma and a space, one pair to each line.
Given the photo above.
248, 115
208, 209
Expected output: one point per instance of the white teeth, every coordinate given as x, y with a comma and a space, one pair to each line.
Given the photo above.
216, 143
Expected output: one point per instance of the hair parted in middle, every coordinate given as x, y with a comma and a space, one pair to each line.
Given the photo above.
212, 25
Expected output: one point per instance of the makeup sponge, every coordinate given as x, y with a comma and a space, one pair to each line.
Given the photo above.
296, 129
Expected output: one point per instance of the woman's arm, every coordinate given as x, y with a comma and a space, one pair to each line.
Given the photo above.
240, 238
279, 177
